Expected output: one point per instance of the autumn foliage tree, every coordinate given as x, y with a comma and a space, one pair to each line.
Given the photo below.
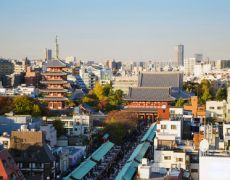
26, 105
120, 124
103, 98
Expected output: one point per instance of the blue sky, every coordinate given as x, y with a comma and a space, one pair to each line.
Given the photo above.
120, 29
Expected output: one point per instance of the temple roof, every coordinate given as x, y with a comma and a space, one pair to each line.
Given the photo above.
54, 99
55, 63
54, 73
53, 90
149, 94
160, 79
54, 82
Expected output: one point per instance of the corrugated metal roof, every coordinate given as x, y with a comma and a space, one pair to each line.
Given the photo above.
139, 152
102, 151
82, 170
150, 134
127, 171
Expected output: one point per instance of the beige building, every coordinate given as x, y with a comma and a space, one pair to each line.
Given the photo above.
124, 82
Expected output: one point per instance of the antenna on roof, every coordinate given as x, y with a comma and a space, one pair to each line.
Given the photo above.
57, 48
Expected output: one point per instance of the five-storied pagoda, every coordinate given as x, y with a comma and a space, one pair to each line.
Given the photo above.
54, 78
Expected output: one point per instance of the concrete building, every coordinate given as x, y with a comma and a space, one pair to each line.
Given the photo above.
214, 164
201, 69
33, 156
222, 64
6, 67
180, 55
5, 140
169, 128
216, 110
48, 54
50, 134
189, 64
124, 83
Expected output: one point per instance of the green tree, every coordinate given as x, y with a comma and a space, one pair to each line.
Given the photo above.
180, 102
221, 94
206, 96
60, 127
36, 110
22, 105
107, 88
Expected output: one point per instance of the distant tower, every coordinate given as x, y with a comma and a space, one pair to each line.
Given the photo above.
180, 55
48, 54
57, 48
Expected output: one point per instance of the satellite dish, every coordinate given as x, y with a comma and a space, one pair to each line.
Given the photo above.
204, 145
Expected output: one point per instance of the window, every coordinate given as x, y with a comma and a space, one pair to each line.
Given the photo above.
25, 165
211, 107
179, 159
173, 126
163, 126
194, 170
219, 107
167, 157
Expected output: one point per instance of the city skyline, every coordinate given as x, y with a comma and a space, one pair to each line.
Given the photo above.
100, 30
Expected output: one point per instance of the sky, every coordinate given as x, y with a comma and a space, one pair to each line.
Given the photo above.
126, 30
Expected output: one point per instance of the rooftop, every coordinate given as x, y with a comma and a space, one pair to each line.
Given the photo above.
149, 94
55, 63
160, 79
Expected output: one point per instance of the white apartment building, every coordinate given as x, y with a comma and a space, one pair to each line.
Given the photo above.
216, 110
50, 134
214, 165
168, 159
176, 112
189, 64
169, 128
201, 69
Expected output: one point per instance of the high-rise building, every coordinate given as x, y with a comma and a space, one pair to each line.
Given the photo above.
48, 54
180, 55
198, 57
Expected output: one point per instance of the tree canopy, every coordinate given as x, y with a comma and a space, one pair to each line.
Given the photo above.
60, 127
26, 105
221, 94
103, 98
180, 102
120, 124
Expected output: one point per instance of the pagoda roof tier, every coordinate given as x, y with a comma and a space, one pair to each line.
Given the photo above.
55, 63
54, 99
54, 73
53, 90
54, 82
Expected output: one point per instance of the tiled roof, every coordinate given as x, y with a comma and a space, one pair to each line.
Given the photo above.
160, 79
54, 82
149, 94
33, 153
54, 99
54, 73
53, 90
55, 63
